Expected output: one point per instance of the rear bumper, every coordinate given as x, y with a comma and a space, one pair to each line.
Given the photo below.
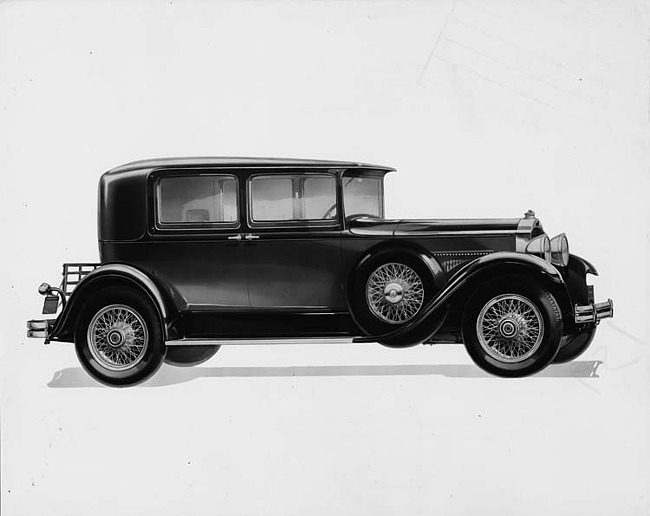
594, 312
40, 328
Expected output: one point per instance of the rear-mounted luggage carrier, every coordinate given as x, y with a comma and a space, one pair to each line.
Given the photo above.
73, 274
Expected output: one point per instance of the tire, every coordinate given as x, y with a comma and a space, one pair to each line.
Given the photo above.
575, 345
118, 337
378, 309
186, 356
512, 327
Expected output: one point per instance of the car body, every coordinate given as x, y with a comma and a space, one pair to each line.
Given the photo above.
199, 252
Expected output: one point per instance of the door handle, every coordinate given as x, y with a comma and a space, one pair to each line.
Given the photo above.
252, 237
234, 237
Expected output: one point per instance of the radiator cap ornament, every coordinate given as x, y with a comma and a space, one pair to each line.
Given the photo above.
530, 214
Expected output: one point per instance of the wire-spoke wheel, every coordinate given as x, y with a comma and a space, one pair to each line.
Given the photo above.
512, 326
395, 293
118, 337
389, 289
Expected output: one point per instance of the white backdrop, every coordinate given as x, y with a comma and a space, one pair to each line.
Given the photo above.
487, 108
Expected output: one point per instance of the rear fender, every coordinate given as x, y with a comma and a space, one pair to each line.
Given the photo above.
109, 275
471, 276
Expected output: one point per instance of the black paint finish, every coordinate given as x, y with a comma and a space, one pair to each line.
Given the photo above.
289, 279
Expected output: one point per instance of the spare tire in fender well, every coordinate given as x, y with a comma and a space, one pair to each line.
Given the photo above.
422, 263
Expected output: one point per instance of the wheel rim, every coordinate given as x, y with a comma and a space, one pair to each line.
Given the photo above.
395, 293
117, 337
510, 328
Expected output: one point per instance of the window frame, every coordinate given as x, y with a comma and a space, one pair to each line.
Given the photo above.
302, 223
159, 225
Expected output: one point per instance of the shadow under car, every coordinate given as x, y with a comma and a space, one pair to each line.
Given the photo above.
168, 375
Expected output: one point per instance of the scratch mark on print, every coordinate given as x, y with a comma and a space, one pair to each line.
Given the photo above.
435, 43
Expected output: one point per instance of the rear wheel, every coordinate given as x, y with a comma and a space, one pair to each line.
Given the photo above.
186, 356
512, 327
118, 337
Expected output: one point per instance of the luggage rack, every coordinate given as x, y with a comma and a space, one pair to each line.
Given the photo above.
73, 273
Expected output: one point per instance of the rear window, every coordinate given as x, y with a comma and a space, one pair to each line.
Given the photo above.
198, 200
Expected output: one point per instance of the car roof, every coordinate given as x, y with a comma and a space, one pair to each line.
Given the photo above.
241, 162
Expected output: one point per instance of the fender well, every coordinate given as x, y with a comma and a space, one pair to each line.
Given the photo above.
521, 264
109, 275
467, 279
437, 273
427, 265
402, 247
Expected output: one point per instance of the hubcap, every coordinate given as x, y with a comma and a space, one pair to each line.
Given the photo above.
117, 337
395, 293
510, 328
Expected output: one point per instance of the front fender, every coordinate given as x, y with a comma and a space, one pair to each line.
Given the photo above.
104, 275
583, 266
488, 266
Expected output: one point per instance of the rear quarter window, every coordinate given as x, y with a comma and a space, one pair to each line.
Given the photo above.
208, 199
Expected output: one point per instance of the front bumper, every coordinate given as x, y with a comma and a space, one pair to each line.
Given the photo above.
594, 312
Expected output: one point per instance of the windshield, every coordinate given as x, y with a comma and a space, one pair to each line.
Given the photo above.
363, 196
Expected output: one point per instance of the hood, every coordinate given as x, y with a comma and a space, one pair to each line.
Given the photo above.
456, 226
442, 227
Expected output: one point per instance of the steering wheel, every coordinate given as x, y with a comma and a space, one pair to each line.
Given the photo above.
361, 215
329, 213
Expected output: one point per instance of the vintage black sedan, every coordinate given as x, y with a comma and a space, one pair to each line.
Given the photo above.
195, 253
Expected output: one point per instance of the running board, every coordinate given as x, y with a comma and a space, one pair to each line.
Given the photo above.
258, 341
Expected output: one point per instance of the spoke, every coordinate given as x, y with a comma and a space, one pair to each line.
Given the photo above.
133, 333
411, 290
518, 312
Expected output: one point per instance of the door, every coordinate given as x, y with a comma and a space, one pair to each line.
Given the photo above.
198, 253
293, 243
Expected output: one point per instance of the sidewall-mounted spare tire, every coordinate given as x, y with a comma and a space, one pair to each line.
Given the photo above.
417, 278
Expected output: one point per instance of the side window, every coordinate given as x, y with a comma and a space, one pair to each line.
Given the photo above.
198, 199
272, 198
293, 198
319, 195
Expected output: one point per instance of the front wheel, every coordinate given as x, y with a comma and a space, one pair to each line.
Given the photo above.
118, 337
512, 327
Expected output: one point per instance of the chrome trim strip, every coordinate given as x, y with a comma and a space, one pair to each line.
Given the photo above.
259, 340
460, 232
594, 312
